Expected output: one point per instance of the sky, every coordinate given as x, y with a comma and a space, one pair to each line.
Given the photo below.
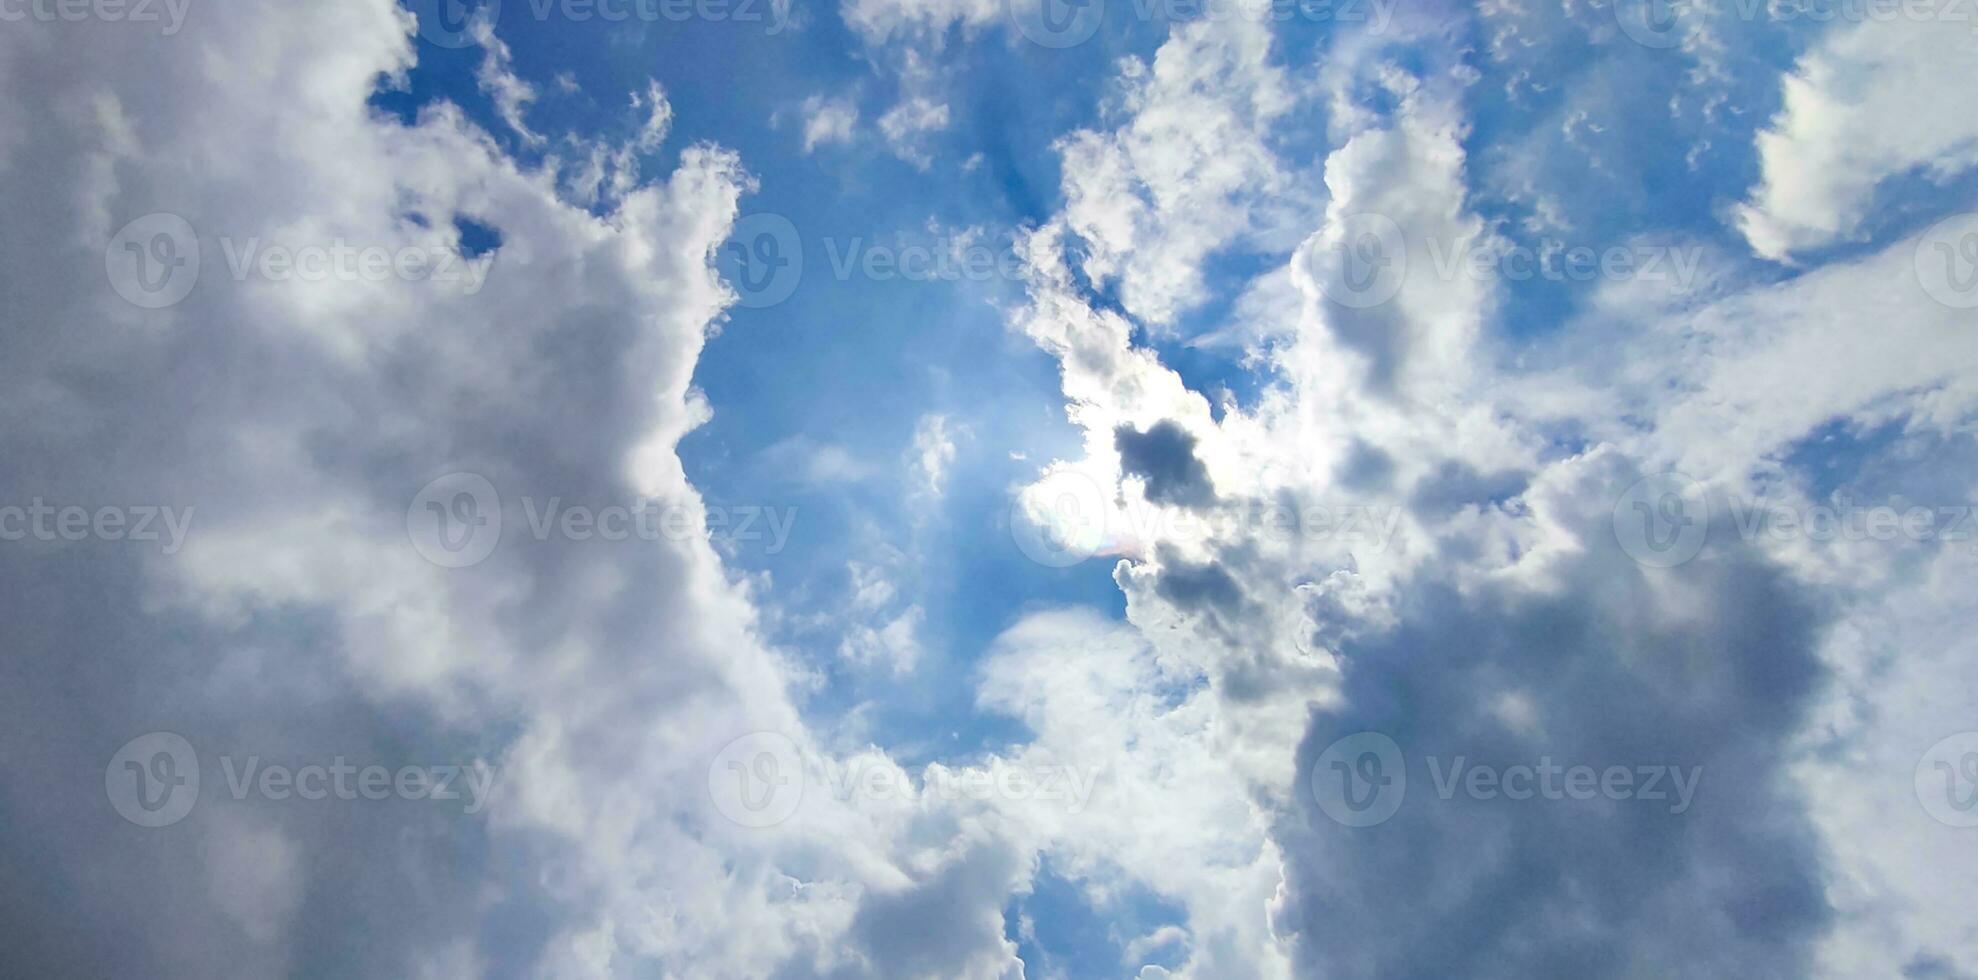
988, 488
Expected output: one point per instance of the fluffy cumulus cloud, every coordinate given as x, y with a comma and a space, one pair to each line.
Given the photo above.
293, 420
1186, 171
1865, 105
1406, 681
1502, 623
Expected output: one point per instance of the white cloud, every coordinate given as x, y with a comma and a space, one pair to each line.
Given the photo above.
828, 121
1186, 173
598, 678
1498, 620
498, 80
933, 451
907, 126
1502, 620
814, 463
1871, 101
603, 173
659, 117
1169, 812
895, 644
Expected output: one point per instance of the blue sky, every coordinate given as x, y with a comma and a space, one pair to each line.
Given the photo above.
846, 365
988, 488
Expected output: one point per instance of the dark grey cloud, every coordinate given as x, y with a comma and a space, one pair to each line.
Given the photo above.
1603, 673
1368, 468
1164, 456
1455, 485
